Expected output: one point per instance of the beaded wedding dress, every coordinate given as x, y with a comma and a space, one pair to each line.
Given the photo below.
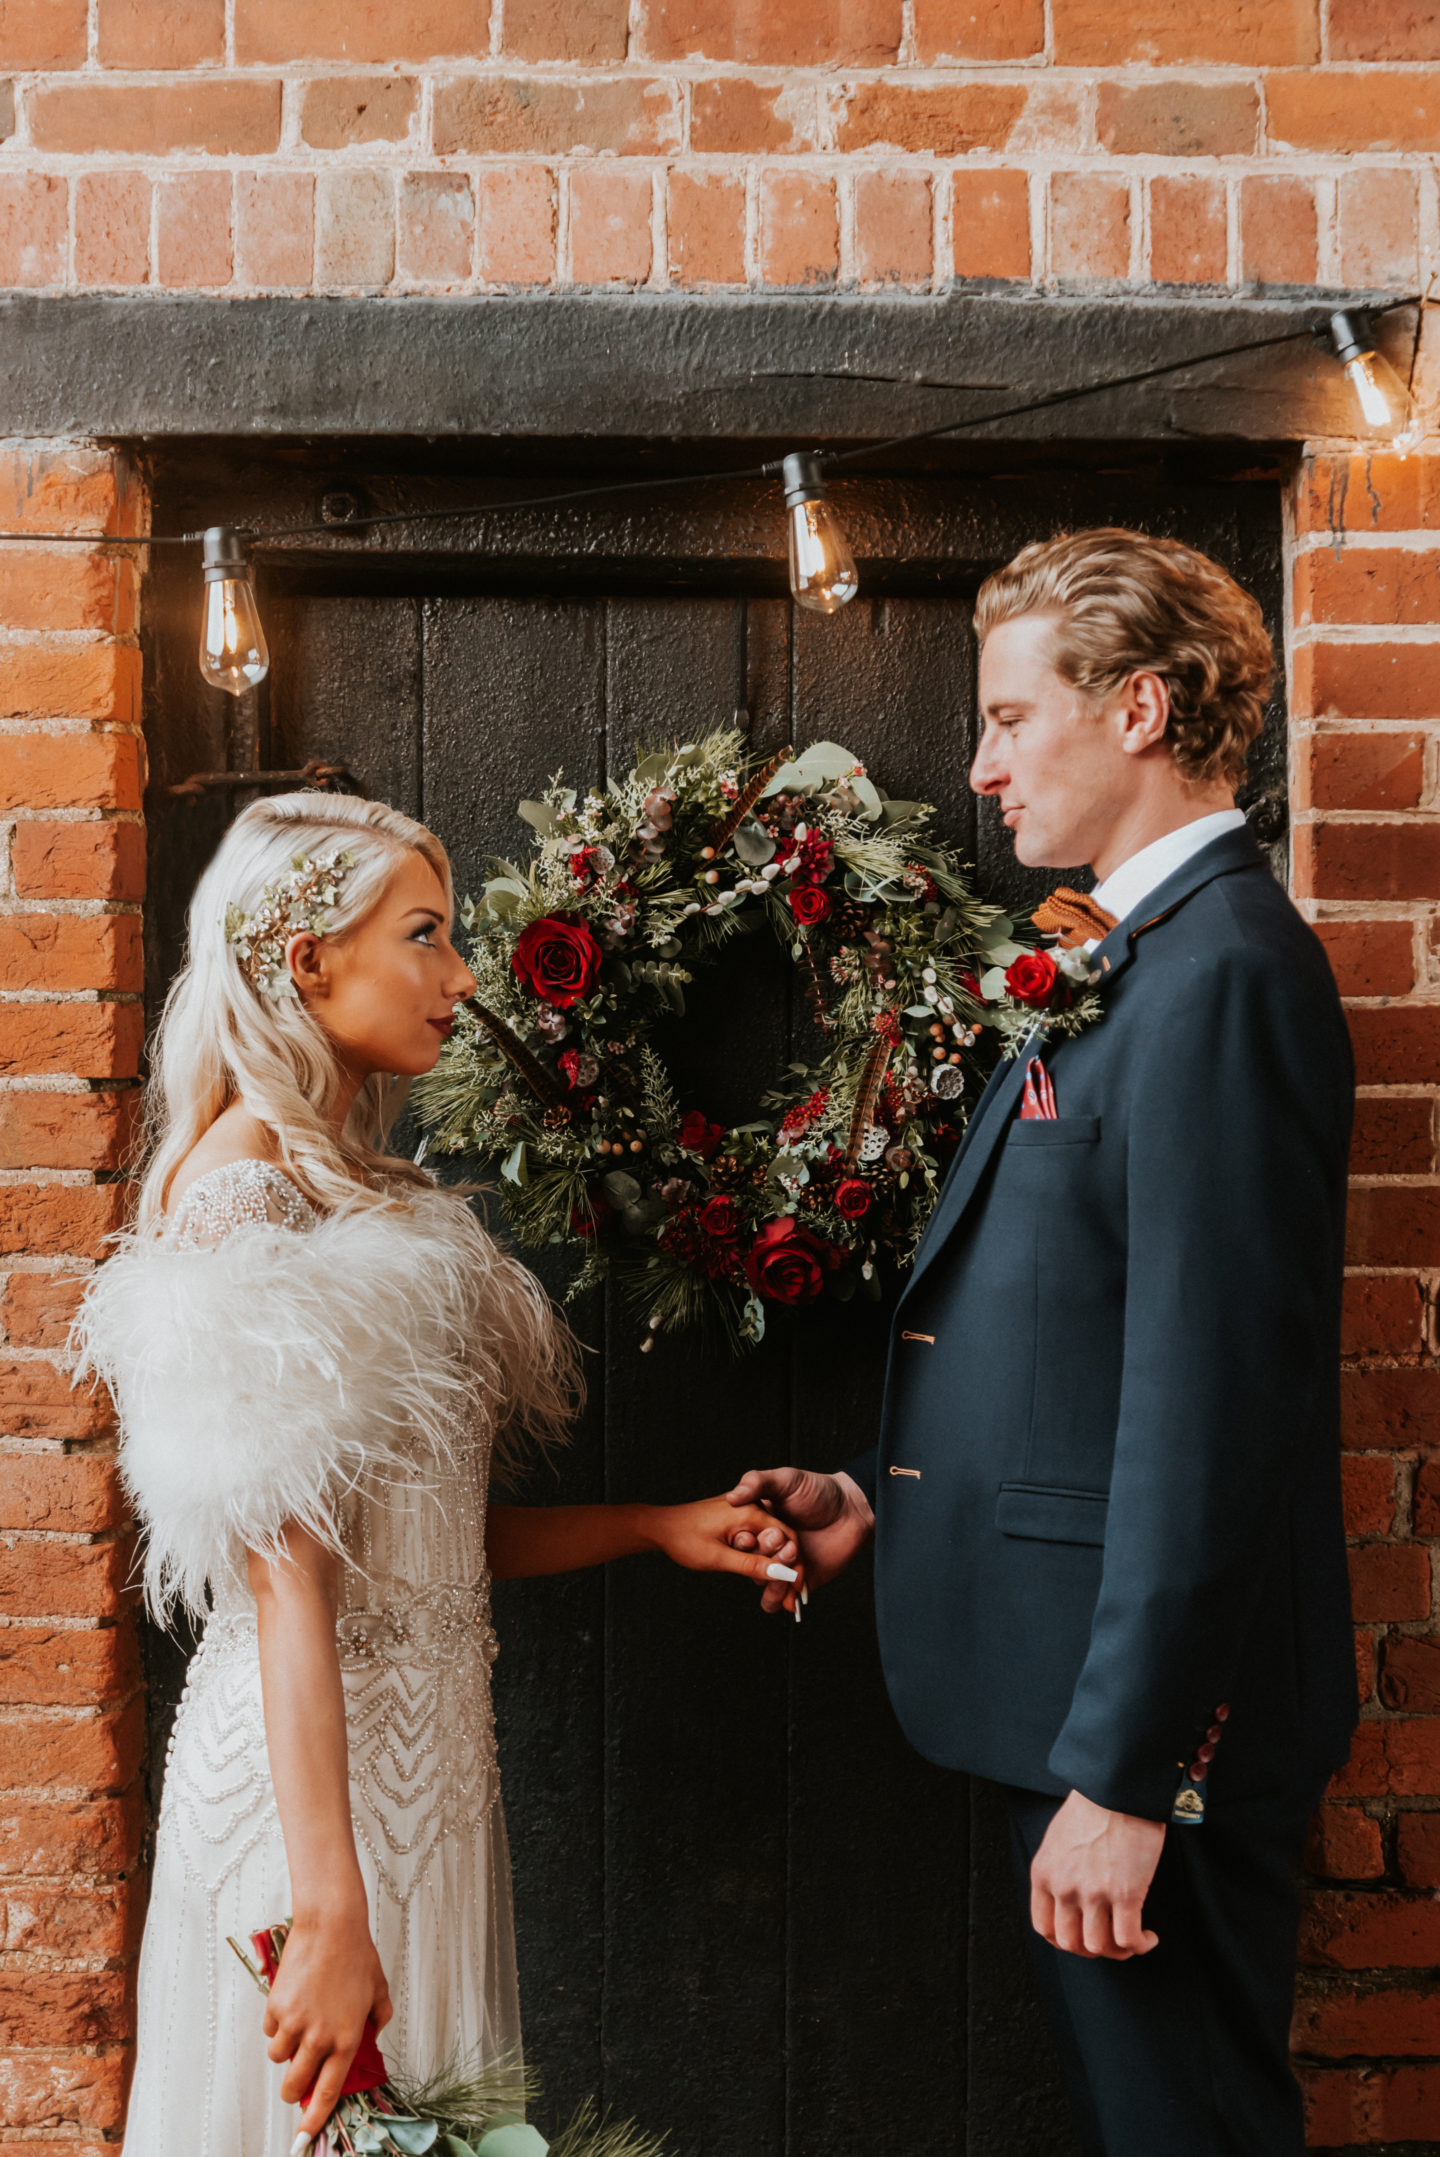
269, 1363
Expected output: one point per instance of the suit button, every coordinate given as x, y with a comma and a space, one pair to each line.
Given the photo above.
1198, 1771
1207, 1752
1214, 1734
1222, 1713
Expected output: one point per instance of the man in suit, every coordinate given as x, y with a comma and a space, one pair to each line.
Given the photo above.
1110, 1566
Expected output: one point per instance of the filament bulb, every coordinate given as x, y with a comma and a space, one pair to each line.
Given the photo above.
233, 653
1386, 406
822, 568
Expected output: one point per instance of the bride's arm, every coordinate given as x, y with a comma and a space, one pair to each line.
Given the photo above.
523, 1540
330, 1977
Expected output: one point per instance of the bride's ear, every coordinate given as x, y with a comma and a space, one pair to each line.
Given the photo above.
308, 961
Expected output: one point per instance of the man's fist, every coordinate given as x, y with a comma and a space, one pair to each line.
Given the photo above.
829, 1513
1090, 1878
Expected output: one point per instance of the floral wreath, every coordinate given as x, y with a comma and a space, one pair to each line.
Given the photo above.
914, 985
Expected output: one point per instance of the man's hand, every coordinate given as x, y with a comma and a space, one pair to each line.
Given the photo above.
830, 1514
1090, 1878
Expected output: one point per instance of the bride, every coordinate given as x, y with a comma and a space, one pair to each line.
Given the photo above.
315, 1355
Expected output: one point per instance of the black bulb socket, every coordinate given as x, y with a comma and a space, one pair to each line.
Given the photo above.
1350, 335
224, 555
803, 482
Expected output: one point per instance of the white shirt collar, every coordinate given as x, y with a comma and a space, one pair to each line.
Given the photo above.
1126, 887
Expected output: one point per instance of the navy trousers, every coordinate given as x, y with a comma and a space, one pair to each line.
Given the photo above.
1185, 2051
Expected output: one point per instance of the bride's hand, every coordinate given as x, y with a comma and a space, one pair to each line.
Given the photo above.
329, 1980
703, 1537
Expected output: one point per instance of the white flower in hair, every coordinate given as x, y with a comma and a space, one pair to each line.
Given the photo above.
296, 904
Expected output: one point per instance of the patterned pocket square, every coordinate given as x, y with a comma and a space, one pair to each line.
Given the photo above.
1039, 1102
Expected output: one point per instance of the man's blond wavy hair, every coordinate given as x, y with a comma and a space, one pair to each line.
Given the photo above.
1122, 602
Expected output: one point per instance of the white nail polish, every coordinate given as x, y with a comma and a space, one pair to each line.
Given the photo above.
301, 2143
777, 1571
797, 1613
805, 1597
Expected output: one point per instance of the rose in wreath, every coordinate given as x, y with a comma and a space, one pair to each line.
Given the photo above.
787, 1265
557, 959
720, 1218
852, 1198
1031, 979
809, 904
697, 1134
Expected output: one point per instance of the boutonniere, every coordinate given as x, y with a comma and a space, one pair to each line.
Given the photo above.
1054, 989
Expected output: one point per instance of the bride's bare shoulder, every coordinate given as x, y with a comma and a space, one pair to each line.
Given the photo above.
234, 1136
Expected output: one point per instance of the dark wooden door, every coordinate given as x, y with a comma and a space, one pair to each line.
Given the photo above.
747, 1911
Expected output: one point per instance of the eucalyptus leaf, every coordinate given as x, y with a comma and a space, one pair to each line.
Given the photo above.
515, 1169
620, 1189
452, 2146
517, 2139
791, 1165
900, 812
651, 769
752, 1320
867, 794
754, 845
540, 815
368, 2139
918, 1011
413, 2136
1003, 953
992, 984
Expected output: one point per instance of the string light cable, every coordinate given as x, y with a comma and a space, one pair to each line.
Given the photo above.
233, 653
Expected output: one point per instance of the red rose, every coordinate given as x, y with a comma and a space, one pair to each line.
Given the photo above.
971, 983
852, 1198
1031, 978
719, 1218
809, 904
786, 1264
557, 959
698, 1135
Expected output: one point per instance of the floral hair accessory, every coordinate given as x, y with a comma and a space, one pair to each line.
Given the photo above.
296, 904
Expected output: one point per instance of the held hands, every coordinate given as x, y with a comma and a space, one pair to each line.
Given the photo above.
712, 1536
1089, 1880
829, 1513
329, 1980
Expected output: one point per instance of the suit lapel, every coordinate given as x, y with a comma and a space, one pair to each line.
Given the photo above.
987, 1127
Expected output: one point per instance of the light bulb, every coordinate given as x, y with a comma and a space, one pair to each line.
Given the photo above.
233, 653
822, 568
1386, 406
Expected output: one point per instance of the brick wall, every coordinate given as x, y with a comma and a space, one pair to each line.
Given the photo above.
71, 879
1365, 694
343, 145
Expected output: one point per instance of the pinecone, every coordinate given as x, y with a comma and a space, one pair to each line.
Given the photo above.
556, 1118
850, 919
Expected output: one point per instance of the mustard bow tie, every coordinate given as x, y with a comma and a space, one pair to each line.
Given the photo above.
1073, 917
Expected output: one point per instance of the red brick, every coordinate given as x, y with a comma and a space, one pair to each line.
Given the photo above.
1365, 1665
79, 861
1380, 585
1411, 1676
56, 1220
1399, 1759
821, 33
59, 1493
70, 951
1369, 492
43, 33
1367, 681
1344, 1844
946, 121
160, 33
33, 208
1368, 1482
238, 118
1427, 1498
354, 229
101, 1040
1397, 2020
63, 1580
67, 681
437, 228
1089, 226
1417, 1846
1396, 1045
96, 1754
1278, 242
594, 35
515, 217
1343, 1931
610, 225
36, 1308
1188, 239
1178, 118
37, 1401
1370, 958
112, 231
79, 1923
1332, 111
67, 1666
537, 115
1389, 1582
1379, 239
365, 32
274, 229
67, 588
1394, 1137
1375, 2104
64, 2089
1368, 861
69, 1130
72, 489
1272, 33
55, 1837
1390, 1408
729, 113
978, 30
1361, 771
705, 223
1384, 1315
337, 111
894, 228
194, 244
991, 220
799, 234
1384, 30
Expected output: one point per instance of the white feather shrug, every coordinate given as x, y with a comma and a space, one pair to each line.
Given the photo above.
259, 1381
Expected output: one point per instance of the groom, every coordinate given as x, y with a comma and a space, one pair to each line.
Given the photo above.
1110, 1567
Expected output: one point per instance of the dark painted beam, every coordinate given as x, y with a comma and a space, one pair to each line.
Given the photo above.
755, 366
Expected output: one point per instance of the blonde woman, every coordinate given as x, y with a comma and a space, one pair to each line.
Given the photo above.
315, 1353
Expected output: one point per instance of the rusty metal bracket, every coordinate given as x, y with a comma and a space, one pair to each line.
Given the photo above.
333, 778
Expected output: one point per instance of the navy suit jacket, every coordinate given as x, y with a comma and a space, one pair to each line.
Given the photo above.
1114, 1377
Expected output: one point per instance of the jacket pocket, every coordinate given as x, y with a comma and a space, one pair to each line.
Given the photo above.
1046, 1514
1054, 1131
